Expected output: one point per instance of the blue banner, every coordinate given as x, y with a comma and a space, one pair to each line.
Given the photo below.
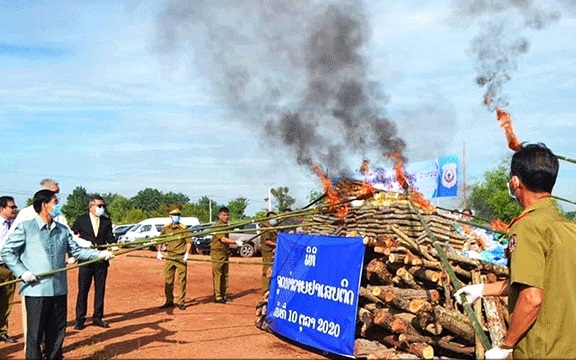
433, 178
314, 290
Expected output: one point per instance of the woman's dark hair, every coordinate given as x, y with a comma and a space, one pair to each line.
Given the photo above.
42, 197
536, 166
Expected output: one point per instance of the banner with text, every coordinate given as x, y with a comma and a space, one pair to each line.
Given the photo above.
314, 290
433, 178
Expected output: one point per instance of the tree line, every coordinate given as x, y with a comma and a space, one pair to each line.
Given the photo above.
150, 202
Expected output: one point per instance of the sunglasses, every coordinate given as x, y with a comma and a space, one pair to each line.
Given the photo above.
100, 205
13, 207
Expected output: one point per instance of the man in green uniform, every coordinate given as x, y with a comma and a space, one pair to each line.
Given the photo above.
542, 262
268, 246
179, 249
219, 250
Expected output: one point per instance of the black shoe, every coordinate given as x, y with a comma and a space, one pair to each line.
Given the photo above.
101, 323
6, 338
166, 305
220, 301
181, 306
79, 326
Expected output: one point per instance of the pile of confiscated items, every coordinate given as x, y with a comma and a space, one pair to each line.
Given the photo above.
406, 307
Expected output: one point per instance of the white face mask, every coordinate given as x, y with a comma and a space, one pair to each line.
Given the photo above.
512, 196
273, 222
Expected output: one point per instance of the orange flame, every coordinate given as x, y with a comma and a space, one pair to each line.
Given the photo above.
499, 225
505, 121
332, 196
421, 201
366, 191
399, 168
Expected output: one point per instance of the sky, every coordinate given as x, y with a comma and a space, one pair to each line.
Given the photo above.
195, 97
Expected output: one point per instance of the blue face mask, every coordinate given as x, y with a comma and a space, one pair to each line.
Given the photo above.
273, 222
175, 218
56, 211
100, 211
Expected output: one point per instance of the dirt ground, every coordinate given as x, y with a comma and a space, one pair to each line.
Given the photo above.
140, 330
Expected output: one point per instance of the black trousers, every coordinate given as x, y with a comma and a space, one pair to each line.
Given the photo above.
45, 319
97, 271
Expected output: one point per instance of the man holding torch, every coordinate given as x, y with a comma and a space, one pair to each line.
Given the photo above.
39, 246
219, 252
176, 249
542, 264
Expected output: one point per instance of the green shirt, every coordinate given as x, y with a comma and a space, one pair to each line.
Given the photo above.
542, 250
217, 245
177, 246
267, 250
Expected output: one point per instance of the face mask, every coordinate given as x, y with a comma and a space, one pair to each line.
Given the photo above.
273, 222
176, 218
56, 211
100, 211
512, 196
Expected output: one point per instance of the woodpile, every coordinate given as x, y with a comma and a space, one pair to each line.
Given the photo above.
406, 306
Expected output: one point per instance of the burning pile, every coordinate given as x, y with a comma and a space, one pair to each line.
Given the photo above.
406, 307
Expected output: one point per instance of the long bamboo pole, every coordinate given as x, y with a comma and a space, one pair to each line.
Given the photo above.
560, 157
68, 268
453, 279
203, 260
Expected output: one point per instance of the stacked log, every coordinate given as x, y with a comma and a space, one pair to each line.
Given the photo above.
406, 307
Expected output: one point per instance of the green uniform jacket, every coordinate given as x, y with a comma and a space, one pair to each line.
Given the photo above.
216, 245
267, 250
542, 250
176, 247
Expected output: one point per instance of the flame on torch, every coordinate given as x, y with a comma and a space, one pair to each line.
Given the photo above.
505, 121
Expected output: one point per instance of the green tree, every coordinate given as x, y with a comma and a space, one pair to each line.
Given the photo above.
134, 216
206, 203
281, 198
117, 209
76, 204
237, 207
314, 195
178, 199
490, 198
196, 211
148, 200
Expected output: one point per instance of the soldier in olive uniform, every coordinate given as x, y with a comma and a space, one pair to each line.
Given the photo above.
542, 264
267, 246
219, 250
179, 249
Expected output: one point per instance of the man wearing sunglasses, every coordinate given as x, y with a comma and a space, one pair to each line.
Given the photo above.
7, 214
96, 228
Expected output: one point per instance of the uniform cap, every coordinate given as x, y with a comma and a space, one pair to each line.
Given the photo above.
175, 212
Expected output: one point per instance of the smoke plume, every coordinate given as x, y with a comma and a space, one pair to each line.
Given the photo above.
500, 43
295, 70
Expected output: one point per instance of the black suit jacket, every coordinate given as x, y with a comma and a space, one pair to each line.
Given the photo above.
83, 228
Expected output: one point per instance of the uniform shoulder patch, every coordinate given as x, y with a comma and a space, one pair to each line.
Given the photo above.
512, 244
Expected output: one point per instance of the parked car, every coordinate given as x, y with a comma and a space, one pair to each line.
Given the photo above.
251, 238
200, 244
121, 230
150, 228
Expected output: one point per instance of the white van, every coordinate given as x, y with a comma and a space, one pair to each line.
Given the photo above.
150, 228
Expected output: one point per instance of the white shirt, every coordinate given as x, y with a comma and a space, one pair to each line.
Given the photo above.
3, 233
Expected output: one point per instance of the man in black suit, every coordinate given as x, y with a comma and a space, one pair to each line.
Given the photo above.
96, 228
